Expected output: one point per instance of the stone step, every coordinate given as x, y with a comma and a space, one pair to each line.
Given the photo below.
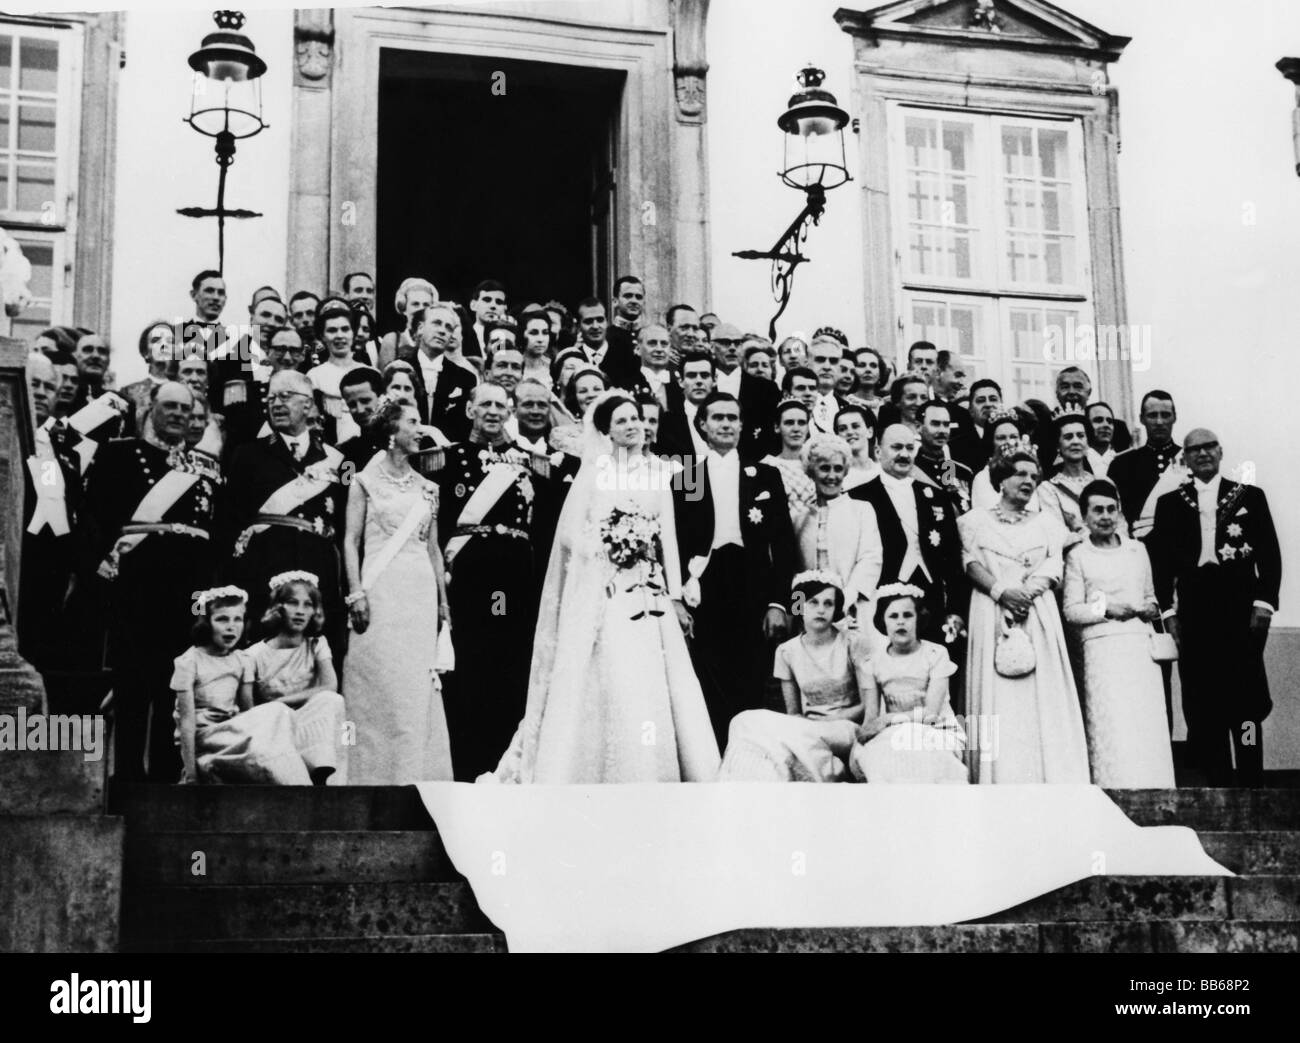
153, 808
1268, 853
323, 857
406, 943
250, 809
300, 911
1145, 936
1237, 810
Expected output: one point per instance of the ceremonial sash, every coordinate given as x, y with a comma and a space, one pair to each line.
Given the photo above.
306, 486
292, 495
498, 479
47, 480
375, 566
89, 417
160, 499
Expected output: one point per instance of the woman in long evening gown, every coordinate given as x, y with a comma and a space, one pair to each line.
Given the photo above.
1030, 727
1109, 602
394, 568
612, 695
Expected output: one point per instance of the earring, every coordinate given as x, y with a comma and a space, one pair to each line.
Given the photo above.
392, 441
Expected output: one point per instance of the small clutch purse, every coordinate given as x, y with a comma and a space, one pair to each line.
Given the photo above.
1014, 654
1161, 644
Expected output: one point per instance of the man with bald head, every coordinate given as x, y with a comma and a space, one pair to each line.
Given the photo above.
918, 533
147, 517
1215, 552
284, 505
489, 488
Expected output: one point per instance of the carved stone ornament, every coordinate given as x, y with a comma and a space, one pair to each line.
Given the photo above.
690, 96
985, 16
314, 56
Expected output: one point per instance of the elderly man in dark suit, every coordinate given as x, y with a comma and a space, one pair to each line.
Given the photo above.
1214, 546
738, 554
758, 398
442, 388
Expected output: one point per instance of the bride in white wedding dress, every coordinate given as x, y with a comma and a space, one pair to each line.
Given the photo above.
612, 695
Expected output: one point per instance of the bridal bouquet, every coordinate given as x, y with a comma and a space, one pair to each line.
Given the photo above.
631, 541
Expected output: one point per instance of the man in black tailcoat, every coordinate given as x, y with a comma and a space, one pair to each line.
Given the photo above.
442, 388
485, 525
147, 520
921, 544
283, 506
738, 555
1213, 546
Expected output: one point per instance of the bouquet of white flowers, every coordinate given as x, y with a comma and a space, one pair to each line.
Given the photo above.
631, 541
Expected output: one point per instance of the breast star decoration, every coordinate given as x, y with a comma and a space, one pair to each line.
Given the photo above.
755, 516
1234, 530
935, 537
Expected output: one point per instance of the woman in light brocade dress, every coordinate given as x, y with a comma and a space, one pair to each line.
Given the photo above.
396, 606
1109, 600
1030, 727
793, 420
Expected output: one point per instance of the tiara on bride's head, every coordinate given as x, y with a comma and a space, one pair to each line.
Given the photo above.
293, 576
822, 576
900, 590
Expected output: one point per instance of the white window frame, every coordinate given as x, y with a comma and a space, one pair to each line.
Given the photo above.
989, 291
56, 226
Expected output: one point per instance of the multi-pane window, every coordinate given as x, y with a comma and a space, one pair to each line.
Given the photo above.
992, 252
39, 69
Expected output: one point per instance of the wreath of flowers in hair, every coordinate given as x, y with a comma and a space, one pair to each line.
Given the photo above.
899, 590
823, 576
293, 576
205, 597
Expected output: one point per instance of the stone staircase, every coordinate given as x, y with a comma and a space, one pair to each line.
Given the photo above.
253, 869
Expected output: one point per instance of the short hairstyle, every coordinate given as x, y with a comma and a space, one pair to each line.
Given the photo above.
823, 447
571, 388
1163, 396
201, 631
702, 413
534, 382
362, 375
930, 404
787, 404
990, 430
64, 338
882, 606
1098, 487
395, 367
332, 308
488, 286
945, 358
274, 616
802, 593
920, 345
557, 363
900, 383
408, 284
624, 279
144, 335
1087, 410
207, 273
302, 295
347, 279
589, 302
699, 356
760, 349
604, 411
796, 371
1074, 369
1003, 467
672, 311
868, 417
1064, 420
985, 382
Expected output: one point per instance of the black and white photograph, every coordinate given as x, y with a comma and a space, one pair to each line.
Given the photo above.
699, 476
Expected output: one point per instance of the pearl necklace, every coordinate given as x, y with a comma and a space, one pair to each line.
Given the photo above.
1009, 517
400, 481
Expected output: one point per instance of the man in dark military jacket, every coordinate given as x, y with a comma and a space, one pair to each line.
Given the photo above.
283, 506
147, 519
488, 486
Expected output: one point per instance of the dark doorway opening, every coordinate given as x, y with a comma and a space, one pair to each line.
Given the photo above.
515, 183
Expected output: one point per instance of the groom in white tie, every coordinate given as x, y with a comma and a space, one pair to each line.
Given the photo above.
737, 550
